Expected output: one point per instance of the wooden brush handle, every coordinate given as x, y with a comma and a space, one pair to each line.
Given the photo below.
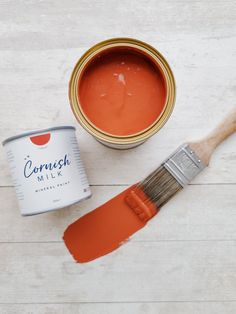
205, 147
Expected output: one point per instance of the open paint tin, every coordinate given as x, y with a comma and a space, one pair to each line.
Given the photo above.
122, 91
46, 169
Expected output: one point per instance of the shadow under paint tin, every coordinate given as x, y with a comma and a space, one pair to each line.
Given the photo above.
92, 106
46, 169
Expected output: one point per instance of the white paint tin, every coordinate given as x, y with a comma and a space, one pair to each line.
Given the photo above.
46, 169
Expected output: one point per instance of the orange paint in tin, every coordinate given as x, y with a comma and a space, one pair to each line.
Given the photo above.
122, 91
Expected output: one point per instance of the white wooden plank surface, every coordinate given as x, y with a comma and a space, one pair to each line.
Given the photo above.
184, 261
138, 271
122, 308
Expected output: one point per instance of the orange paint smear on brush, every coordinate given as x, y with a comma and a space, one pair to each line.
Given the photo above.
107, 227
122, 91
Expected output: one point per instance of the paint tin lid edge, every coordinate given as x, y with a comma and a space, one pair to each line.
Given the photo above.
15, 137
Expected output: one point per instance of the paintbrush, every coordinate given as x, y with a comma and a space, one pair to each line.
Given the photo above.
178, 170
108, 226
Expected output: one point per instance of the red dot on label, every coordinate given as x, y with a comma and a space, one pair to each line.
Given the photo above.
40, 139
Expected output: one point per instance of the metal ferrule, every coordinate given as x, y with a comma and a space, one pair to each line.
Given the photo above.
184, 165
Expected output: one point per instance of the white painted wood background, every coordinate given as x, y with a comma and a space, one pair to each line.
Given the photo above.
184, 261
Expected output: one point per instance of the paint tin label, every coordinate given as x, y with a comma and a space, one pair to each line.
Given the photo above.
47, 171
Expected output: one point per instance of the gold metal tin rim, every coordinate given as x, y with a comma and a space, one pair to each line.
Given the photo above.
88, 125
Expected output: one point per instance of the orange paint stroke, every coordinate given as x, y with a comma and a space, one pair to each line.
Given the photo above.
104, 229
